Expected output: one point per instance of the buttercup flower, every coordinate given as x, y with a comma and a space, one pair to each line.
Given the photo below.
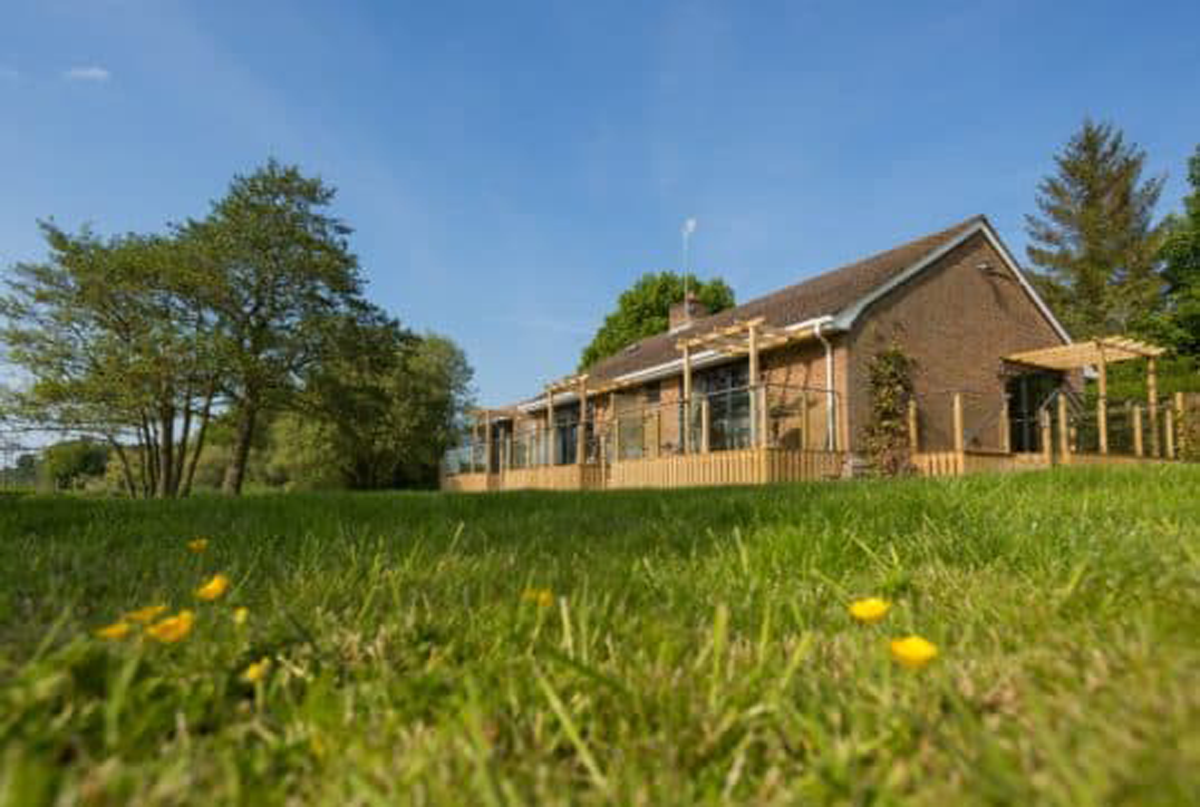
914, 652
173, 628
214, 588
198, 545
117, 630
240, 615
870, 610
544, 597
256, 671
147, 614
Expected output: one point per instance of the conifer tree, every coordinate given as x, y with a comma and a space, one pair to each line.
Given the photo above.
1095, 240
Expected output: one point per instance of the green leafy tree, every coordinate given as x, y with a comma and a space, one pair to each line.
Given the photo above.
1095, 240
65, 465
643, 310
109, 334
279, 275
1181, 253
381, 415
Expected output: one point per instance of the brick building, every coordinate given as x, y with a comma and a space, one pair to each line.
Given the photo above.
777, 388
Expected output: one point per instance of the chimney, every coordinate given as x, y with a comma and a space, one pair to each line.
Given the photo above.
682, 314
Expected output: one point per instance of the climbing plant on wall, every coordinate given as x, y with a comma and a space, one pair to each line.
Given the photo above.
889, 374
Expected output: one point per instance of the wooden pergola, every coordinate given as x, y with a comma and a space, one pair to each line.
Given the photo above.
1100, 353
578, 384
742, 338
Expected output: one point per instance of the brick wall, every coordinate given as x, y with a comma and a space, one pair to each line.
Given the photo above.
956, 322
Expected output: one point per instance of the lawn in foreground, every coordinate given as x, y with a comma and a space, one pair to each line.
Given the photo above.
696, 645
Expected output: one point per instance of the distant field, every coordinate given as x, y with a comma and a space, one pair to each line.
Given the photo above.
695, 647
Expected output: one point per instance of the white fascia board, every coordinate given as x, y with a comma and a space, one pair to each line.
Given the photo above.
998, 245
846, 319
540, 403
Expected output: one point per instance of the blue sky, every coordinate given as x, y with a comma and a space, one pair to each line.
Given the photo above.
511, 167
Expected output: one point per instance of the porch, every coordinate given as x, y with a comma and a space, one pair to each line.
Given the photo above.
1042, 421
731, 435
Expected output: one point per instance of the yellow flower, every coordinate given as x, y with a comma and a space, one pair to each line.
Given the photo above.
240, 615
914, 652
870, 610
214, 588
117, 630
147, 614
256, 671
544, 597
198, 545
173, 628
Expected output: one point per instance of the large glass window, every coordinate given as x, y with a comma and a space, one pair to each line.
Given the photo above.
728, 406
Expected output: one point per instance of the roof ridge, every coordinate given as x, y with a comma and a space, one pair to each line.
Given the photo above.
937, 237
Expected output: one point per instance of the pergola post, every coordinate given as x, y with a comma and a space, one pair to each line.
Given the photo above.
685, 438
1005, 426
1170, 432
959, 443
487, 444
914, 437
1181, 424
705, 426
614, 419
1064, 437
1047, 438
581, 429
1138, 447
756, 405
1102, 404
551, 431
1152, 401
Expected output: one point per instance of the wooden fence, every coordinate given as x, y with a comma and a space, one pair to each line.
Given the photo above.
1181, 433
749, 466
756, 466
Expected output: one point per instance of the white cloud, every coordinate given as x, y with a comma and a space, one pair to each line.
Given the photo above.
93, 73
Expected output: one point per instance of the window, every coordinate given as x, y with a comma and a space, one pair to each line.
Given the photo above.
652, 393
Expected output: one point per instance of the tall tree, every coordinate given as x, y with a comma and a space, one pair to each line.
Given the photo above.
643, 310
1095, 239
1181, 253
107, 332
280, 275
378, 415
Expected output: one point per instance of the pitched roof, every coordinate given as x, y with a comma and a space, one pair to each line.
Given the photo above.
826, 294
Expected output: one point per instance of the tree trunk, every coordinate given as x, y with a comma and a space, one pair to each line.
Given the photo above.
204, 417
141, 438
126, 470
166, 454
151, 458
235, 475
181, 454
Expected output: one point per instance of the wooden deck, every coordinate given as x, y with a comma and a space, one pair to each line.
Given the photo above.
752, 466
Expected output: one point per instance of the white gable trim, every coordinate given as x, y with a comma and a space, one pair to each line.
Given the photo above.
847, 318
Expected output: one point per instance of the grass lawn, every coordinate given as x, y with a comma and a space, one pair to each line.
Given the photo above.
696, 646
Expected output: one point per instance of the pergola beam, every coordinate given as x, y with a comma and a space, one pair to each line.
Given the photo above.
1075, 356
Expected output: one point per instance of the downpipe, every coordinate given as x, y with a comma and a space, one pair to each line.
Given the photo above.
830, 400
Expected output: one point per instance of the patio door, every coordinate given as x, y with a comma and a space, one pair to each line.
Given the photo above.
1027, 395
